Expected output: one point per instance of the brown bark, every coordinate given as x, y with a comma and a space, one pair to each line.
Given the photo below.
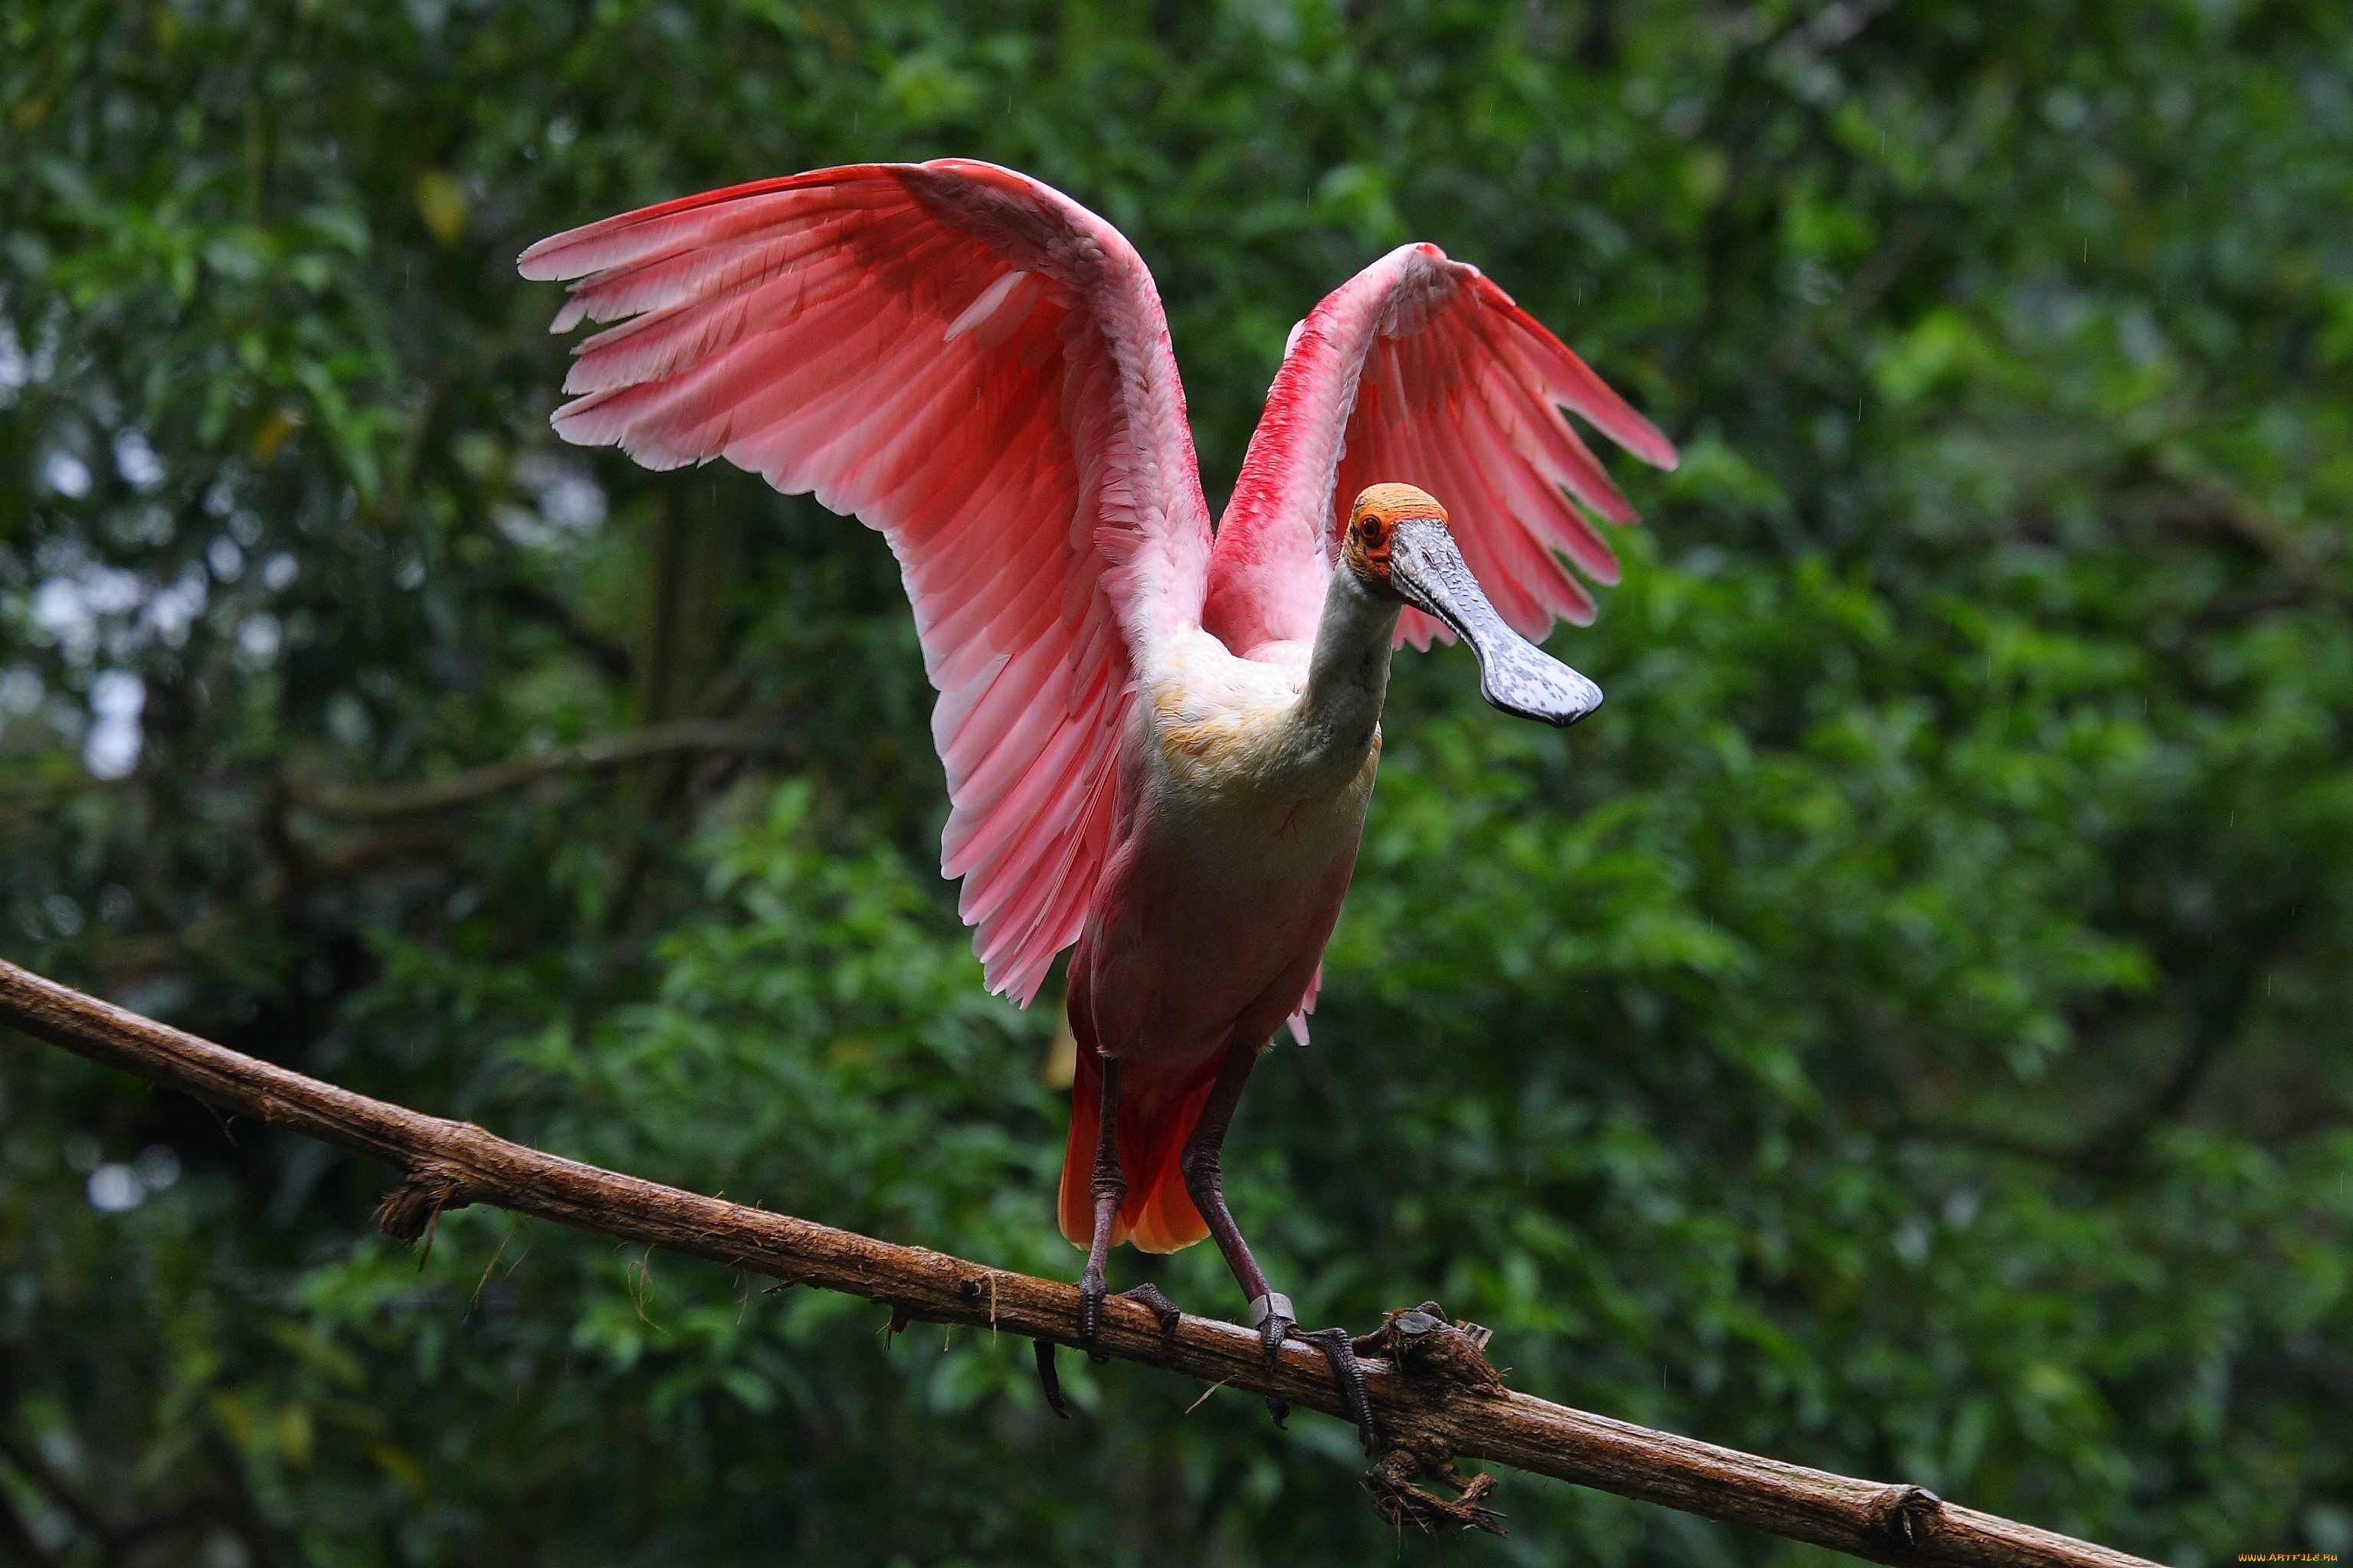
1425, 1416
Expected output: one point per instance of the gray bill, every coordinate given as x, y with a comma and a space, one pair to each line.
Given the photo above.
1516, 676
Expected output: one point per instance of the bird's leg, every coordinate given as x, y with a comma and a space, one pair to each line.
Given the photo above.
1110, 1189
1270, 1312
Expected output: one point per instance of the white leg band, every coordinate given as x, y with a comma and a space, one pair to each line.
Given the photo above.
1273, 1304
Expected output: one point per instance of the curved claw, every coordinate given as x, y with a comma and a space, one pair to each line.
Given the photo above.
1049, 1379
1340, 1351
1162, 1308
1271, 1335
1272, 1330
1272, 1315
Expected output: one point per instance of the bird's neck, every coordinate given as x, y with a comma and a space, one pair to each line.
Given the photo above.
1336, 724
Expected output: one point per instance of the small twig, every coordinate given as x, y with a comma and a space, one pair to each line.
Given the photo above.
113, 1541
17, 1536
60, 1491
451, 1164
476, 1299
1205, 1396
642, 1288
478, 783
606, 655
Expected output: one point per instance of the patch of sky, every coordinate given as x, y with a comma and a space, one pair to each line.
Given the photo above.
16, 370
173, 607
261, 636
64, 474
136, 462
111, 749
566, 502
69, 605
118, 1188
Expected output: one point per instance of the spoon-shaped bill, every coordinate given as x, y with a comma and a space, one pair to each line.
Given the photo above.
1515, 675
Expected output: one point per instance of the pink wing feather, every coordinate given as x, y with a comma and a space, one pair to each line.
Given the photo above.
978, 367
1421, 370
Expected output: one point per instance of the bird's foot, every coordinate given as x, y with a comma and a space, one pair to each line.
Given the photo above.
1049, 1379
1273, 1316
1276, 1320
1091, 1295
1340, 1351
1162, 1308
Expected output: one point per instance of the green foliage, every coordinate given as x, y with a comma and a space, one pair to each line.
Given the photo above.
1903, 1031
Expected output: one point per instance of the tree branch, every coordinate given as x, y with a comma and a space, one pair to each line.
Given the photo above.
17, 1536
1425, 1416
113, 1541
606, 654
60, 1491
477, 784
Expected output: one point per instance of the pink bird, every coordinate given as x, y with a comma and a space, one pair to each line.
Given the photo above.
1160, 740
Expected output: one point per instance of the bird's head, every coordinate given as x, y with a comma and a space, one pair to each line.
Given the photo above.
1373, 524
1398, 546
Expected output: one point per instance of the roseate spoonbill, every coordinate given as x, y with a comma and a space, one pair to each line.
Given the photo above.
1159, 741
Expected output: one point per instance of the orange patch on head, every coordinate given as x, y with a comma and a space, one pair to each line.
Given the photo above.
1372, 524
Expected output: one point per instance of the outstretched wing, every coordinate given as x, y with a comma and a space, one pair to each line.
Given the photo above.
978, 367
1421, 370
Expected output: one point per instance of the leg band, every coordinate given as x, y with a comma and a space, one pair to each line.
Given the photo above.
1273, 1304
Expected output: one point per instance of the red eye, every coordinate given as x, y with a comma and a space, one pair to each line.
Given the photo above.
1372, 527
